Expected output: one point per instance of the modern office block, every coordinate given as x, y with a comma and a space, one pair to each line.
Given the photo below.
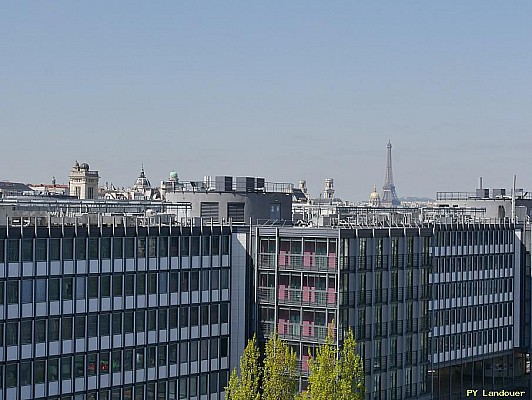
114, 312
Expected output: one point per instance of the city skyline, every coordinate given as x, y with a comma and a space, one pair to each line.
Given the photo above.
301, 91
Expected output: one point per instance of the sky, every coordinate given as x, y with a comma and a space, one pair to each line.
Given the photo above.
282, 90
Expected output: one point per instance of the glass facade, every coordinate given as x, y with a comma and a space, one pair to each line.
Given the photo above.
114, 314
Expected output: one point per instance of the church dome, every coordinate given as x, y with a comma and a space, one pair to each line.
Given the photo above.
142, 182
374, 197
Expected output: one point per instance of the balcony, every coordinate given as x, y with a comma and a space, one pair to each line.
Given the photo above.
308, 262
266, 294
308, 296
266, 261
305, 331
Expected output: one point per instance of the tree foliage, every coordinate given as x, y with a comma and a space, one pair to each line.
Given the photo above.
280, 370
246, 386
334, 373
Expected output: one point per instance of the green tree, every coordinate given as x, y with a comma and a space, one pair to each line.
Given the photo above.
280, 370
351, 384
246, 386
334, 373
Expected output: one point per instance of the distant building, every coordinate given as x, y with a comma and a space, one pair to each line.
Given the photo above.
374, 198
52, 189
13, 189
83, 182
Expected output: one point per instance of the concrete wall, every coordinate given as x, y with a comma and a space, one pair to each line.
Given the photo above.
256, 205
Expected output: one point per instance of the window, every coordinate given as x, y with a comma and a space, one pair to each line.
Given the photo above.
224, 278
93, 287
26, 332
68, 249
40, 290
184, 281
93, 248
205, 315
162, 355
129, 284
116, 360
141, 247
118, 250
225, 245
162, 318
141, 284
174, 246
40, 331
152, 320
183, 352
205, 275
163, 282
151, 356
80, 288
129, 248
53, 329
139, 321
92, 362
105, 247
194, 350
214, 279
185, 245
79, 366
93, 325
152, 283
128, 322
174, 280
163, 246
25, 373
194, 280
27, 291
53, 289
11, 375
215, 245
12, 334
53, 369
80, 326
66, 367
12, 250
105, 324
117, 323
81, 249
67, 288
139, 358
183, 317
206, 246
128, 359
152, 247
214, 314
104, 362
12, 292
106, 285
117, 285
67, 328
214, 348
39, 371
27, 250
55, 247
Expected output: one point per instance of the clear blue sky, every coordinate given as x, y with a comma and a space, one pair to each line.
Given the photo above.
285, 90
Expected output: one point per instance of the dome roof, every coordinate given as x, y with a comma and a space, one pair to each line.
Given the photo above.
173, 176
374, 195
84, 166
142, 182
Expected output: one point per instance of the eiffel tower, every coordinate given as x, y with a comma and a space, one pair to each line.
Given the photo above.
389, 196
